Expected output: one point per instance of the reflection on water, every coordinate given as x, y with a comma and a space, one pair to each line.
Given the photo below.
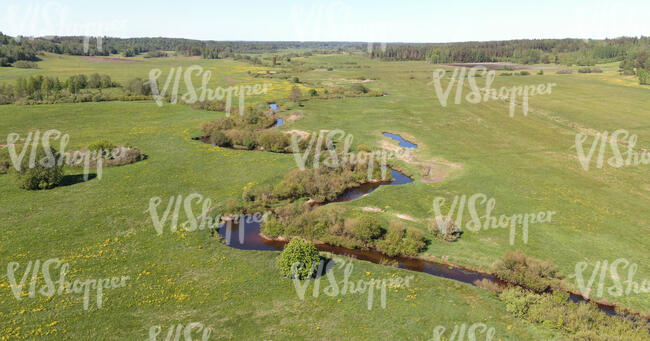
246, 237
402, 141
359, 191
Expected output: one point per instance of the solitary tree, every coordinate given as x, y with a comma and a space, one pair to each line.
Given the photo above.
644, 76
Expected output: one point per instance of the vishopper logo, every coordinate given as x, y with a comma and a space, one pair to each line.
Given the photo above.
206, 94
48, 19
487, 221
75, 158
175, 332
332, 21
60, 287
600, 271
346, 286
193, 223
487, 93
618, 139
320, 149
473, 332
204, 221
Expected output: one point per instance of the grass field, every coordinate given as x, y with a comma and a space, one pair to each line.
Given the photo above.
526, 163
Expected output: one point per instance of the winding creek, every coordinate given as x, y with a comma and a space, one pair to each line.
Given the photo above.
247, 236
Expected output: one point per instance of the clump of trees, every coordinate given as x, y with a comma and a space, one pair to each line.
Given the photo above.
78, 88
247, 132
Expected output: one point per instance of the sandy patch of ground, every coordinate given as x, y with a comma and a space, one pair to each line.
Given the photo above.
303, 134
294, 116
110, 60
405, 217
371, 209
433, 170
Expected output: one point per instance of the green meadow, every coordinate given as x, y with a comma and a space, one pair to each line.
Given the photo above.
528, 164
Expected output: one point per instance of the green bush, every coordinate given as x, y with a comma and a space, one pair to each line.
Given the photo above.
363, 148
400, 241
272, 228
302, 253
524, 73
23, 64
366, 228
444, 228
44, 173
518, 301
312, 92
517, 268
540, 72
274, 141
5, 161
644, 76
220, 139
102, 145
359, 88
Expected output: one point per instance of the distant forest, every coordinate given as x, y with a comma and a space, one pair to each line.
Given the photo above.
632, 52
558, 51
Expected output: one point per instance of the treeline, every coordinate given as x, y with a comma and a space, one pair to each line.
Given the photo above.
40, 89
574, 51
22, 48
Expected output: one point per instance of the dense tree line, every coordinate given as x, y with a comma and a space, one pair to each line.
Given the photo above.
579, 51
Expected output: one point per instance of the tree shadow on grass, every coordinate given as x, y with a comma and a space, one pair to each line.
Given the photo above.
69, 180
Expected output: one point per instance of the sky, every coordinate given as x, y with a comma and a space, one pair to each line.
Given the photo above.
348, 20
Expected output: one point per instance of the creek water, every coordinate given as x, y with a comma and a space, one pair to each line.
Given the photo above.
361, 190
402, 142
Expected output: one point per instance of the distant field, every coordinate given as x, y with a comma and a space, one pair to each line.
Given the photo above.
526, 163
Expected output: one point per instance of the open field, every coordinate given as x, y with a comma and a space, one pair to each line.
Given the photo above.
526, 163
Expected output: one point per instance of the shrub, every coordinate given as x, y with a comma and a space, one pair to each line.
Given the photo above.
23, 64
505, 74
46, 172
272, 228
540, 72
363, 148
367, 228
518, 301
644, 76
524, 73
302, 253
584, 70
359, 88
274, 141
401, 241
101, 145
517, 268
312, 92
5, 161
220, 139
596, 70
137, 86
564, 72
444, 228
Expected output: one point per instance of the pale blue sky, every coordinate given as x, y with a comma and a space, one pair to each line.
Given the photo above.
361, 20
